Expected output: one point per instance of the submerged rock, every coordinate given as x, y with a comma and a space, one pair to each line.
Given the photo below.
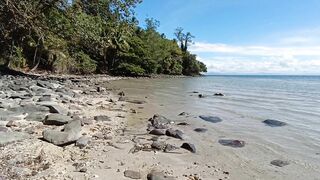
279, 163
200, 130
218, 94
212, 119
159, 122
274, 123
232, 143
188, 146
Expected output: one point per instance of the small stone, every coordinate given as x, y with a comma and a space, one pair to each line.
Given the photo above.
190, 147
83, 170
132, 174
274, 123
82, 142
232, 143
11, 124
279, 163
154, 175
218, 94
200, 130
102, 118
158, 145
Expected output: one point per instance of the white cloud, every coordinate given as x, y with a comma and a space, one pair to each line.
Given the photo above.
224, 58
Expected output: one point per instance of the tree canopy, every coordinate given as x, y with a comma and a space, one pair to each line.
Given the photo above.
90, 36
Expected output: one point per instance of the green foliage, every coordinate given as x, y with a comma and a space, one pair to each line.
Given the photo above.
126, 69
86, 36
84, 64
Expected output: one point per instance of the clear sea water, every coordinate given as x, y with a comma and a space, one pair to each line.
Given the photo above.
247, 102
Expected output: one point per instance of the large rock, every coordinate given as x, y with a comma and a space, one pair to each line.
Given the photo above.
70, 134
10, 137
36, 116
190, 147
274, 123
175, 133
54, 107
159, 122
158, 132
232, 143
57, 119
212, 119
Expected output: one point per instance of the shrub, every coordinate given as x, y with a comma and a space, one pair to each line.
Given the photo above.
84, 64
126, 69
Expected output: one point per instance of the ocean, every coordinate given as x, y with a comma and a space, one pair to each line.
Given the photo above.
248, 101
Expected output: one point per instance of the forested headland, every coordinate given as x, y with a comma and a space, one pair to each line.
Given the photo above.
90, 36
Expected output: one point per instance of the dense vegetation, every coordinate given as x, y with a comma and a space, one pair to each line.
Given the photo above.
89, 36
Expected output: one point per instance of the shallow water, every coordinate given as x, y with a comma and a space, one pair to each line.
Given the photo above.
247, 102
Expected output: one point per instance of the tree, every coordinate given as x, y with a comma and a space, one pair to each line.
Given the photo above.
184, 39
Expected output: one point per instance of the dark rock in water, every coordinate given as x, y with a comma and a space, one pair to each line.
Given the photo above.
188, 146
183, 114
158, 132
82, 142
136, 101
158, 145
159, 122
195, 92
154, 175
174, 133
218, 94
102, 118
10, 137
274, 123
200, 130
3, 129
57, 119
70, 134
121, 93
122, 98
132, 174
201, 96
212, 119
232, 143
183, 124
279, 163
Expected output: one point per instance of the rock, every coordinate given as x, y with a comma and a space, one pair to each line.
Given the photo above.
132, 174
83, 170
279, 163
56, 119
212, 119
3, 129
101, 89
11, 124
45, 98
274, 123
232, 143
137, 101
183, 114
10, 137
188, 146
36, 116
201, 96
102, 118
169, 148
122, 98
218, 94
159, 145
175, 133
121, 93
183, 124
154, 175
159, 122
53, 107
70, 134
200, 130
82, 142
158, 132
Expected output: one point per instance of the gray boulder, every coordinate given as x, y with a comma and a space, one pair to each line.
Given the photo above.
82, 142
10, 137
174, 133
56, 119
190, 147
132, 174
70, 134
159, 122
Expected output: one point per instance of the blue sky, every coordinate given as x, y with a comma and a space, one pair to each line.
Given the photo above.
245, 36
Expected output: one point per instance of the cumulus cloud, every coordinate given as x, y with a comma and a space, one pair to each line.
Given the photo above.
224, 58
